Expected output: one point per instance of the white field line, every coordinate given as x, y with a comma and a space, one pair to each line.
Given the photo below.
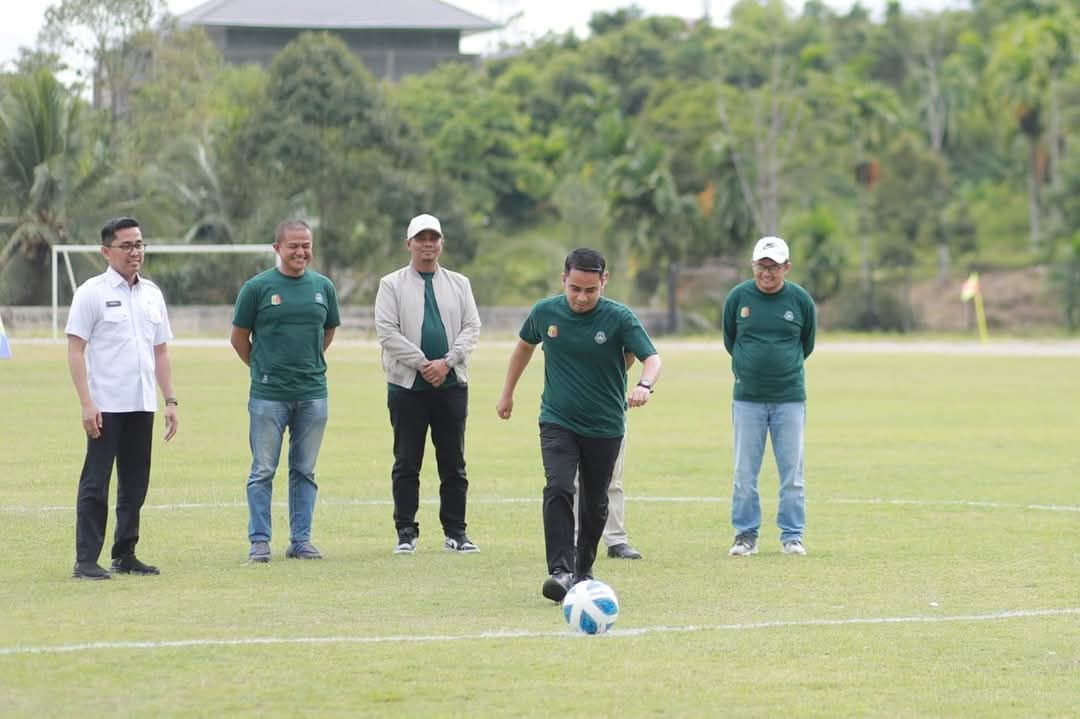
977, 504
563, 634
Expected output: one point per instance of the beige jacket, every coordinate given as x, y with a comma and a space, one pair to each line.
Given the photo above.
399, 317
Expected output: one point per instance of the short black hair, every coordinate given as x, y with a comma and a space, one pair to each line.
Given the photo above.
290, 226
585, 260
108, 232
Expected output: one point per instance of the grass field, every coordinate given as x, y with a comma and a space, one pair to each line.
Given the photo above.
943, 575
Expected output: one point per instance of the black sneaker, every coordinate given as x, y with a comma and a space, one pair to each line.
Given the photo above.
623, 551
459, 543
260, 552
89, 570
302, 550
406, 541
745, 545
131, 565
557, 585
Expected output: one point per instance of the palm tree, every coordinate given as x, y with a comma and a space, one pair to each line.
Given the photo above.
42, 166
1030, 56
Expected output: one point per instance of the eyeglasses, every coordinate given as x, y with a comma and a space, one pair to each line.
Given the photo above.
771, 269
129, 247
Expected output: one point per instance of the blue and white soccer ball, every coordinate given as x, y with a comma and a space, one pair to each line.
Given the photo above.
591, 607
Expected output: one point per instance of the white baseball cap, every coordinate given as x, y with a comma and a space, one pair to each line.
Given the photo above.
423, 222
772, 247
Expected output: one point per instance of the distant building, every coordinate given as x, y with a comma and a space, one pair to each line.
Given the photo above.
393, 38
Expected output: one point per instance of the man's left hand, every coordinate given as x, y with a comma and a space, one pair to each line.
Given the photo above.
638, 396
434, 371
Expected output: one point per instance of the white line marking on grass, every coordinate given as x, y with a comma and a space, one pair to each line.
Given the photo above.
482, 636
23, 509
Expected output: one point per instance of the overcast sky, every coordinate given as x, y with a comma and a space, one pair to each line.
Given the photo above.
22, 18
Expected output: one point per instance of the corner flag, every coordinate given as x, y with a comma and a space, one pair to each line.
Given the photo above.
5, 348
971, 290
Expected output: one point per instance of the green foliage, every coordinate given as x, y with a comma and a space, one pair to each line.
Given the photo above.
45, 167
326, 144
822, 260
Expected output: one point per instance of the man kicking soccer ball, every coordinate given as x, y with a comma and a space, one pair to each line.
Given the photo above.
583, 407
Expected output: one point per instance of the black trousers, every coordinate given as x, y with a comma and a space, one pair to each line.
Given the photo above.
565, 454
411, 414
126, 438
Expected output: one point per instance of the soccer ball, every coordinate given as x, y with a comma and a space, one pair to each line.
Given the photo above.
591, 607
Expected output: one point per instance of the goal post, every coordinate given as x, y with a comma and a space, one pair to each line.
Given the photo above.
151, 249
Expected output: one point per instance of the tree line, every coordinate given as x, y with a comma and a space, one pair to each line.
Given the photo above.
886, 151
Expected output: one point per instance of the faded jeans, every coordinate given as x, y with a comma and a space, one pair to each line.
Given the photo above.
784, 423
306, 421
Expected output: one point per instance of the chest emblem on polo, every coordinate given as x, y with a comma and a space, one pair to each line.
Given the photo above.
789, 315
744, 312
318, 297
553, 331
275, 299
600, 338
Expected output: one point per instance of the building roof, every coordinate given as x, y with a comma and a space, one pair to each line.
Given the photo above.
337, 14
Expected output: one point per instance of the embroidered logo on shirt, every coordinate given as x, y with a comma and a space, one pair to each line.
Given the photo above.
318, 297
275, 299
112, 303
744, 312
553, 331
600, 338
789, 315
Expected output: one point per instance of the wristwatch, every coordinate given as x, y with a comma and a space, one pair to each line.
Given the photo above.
646, 384
172, 401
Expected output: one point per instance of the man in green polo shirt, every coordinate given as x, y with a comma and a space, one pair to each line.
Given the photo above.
582, 409
769, 327
284, 320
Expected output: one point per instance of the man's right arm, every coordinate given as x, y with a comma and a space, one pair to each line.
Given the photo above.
388, 328
519, 360
240, 339
91, 415
730, 305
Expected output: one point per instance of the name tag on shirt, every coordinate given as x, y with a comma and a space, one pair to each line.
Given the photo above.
113, 303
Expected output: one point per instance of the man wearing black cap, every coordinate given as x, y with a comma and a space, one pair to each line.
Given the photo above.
769, 326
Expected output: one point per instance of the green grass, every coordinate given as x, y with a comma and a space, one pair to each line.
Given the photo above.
942, 492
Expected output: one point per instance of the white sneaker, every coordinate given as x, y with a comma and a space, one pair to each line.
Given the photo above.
794, 546
744, 546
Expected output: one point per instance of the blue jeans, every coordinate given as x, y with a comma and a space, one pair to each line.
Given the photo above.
306, 421
784, 423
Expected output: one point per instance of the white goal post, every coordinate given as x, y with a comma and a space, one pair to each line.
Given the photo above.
66, 251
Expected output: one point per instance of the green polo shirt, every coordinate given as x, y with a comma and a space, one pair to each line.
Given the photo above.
288, 317
768, 337
584, 366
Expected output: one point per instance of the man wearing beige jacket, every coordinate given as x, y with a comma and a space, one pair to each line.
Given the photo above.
428, 325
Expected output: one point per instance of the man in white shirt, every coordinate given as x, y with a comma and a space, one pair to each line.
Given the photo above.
428, 325
117, 331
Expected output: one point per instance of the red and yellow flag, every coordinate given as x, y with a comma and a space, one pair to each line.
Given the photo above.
970, 288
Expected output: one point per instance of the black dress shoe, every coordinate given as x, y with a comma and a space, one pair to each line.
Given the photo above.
557, 585
623, 551
131, 565
89, 570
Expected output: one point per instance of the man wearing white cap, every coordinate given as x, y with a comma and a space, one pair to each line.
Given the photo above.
427, 323
769, 327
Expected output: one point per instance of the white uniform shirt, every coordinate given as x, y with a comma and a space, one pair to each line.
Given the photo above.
122, 325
